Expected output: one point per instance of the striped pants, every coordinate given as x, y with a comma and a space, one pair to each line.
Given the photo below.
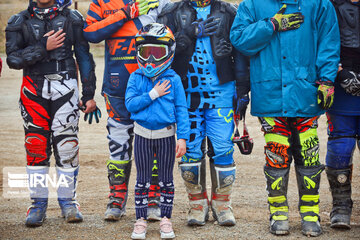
144, 150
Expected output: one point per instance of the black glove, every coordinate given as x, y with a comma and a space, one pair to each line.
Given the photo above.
202, 28
350, 81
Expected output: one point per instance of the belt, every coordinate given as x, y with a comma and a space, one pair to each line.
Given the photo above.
50, 67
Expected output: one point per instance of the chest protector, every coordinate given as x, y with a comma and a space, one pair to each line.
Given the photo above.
349, 22
36, 28
220, 11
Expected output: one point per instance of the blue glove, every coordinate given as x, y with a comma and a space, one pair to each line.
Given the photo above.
202, 28
241, 103
96, 114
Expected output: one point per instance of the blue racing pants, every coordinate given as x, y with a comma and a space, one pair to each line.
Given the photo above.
218, 126
344, 132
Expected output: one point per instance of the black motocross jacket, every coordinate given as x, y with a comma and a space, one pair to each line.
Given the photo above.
230, 64
26, 47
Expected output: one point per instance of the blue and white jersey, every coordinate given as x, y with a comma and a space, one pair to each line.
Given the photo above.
203, 89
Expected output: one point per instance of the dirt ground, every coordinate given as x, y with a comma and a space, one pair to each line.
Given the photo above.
249, 197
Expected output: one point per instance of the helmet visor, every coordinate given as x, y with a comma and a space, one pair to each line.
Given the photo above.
158, 51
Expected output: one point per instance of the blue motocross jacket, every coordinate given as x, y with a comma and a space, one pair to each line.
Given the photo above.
284, 66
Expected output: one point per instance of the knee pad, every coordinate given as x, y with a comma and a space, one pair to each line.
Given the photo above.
223, 157
194, 176
66, 150
120, 140
340, 151
277, 155
38, 149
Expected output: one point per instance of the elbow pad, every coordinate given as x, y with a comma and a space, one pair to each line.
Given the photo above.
33, 54
15, 61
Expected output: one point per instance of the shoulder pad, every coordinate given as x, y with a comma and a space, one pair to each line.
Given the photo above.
169, 7
230, 8
76, 16
15, 21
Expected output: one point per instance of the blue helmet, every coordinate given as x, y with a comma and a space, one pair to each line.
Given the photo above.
155, 49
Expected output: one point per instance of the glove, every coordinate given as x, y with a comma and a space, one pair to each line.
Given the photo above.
241, 103
325, 94
284, 22
202, 28
146, 5
131, 10
350, 81
96, 114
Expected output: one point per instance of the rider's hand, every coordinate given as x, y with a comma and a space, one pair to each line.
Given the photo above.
131, 10
146, 5
325, 94
91, 110
89, 107
203, 28
180, 148
162, 89
54, 39
284, 22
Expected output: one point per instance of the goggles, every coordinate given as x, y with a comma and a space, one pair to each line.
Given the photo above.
158, 51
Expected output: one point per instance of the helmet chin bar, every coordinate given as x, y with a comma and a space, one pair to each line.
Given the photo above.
152, 68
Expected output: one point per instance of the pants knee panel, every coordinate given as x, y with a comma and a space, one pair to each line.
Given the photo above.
340, 151
38, 149
66, 150
120, 140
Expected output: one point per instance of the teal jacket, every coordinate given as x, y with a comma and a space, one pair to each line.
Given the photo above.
284, 66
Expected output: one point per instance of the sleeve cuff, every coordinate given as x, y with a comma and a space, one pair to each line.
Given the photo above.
153, 94
182, 136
